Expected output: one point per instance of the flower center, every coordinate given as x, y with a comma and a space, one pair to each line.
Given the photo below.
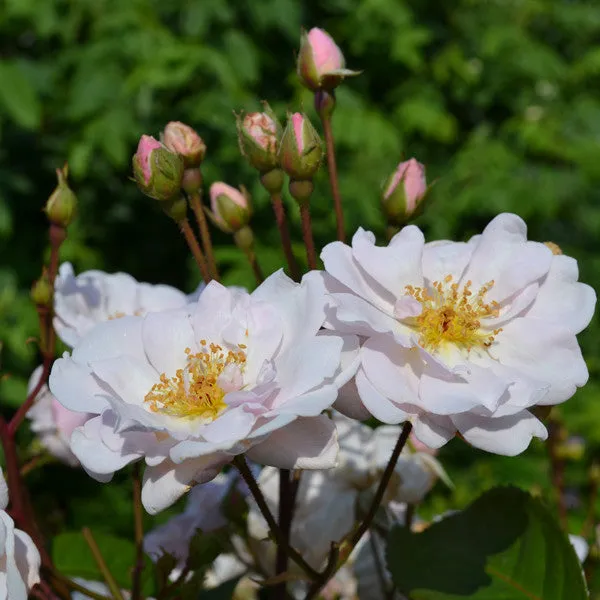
450, 314
196, 390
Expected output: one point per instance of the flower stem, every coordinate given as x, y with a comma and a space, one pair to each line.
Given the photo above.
194, 246
285, 522
196, 204
311, 255
333, 177
240, 463
78, 588
557, 470
136, 591
284, 233
244, 240
101, 563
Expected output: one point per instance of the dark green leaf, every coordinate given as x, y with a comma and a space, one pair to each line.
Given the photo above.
18, 97
505, 545
204, 548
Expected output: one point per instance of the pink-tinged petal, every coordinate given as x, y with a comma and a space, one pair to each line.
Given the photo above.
119, 337
191, 449
545, 352
311, 403
407, 307
504, 256
75, 388
325, 52
99, 461
166, 483
349, 403
513, 307
212, 312
350, 357
340, 263
393, 370
120, 294
562, 299
231, 426
433, 430
376, 403
443, 258
307, 365
504, 435
27, 558
270, 423
352, 314
166, 335
391, 267
301, 306
66, 420
474, 387
306, 443
129, 378
155, 298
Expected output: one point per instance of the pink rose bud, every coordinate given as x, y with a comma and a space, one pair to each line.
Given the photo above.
61, 207
182, 139
158, 171
258, 136
321, 64
300, 151
405, 191
230, 207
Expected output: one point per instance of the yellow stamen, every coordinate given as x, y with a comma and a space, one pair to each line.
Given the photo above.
453, 315
194, 391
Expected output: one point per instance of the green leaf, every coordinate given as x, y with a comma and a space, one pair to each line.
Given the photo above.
18, 97
505, 545
72, 557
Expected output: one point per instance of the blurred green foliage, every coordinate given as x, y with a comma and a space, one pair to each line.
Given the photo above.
499, 98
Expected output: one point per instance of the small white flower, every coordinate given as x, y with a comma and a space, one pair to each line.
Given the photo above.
52, 422
188, 389
92, 297
460, 337
580, 546
327, 501
19, 558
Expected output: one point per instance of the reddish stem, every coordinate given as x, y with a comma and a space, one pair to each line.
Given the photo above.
194, 246
196, 203
311, 255
284, 233
333, 177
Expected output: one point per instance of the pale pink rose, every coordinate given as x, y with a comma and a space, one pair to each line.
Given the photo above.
145, 147
262, 129
326, 53
411, 175
183, 139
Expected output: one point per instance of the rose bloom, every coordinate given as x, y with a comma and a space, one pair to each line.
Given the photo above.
465, 337
188, 389
19, 558
82, 301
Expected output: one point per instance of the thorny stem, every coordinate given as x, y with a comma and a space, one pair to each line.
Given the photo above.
256, 269
139, 533
333, 177
194, 246
327, 573
285, 522
311, 255
196, 204
101, 563
240, 463
284, 233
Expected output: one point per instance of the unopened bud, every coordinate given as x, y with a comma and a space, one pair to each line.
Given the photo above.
182, 139
258, 136
230, 207
61, 207
301, 151
158, 171
321, 64
42, 292
404, 192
